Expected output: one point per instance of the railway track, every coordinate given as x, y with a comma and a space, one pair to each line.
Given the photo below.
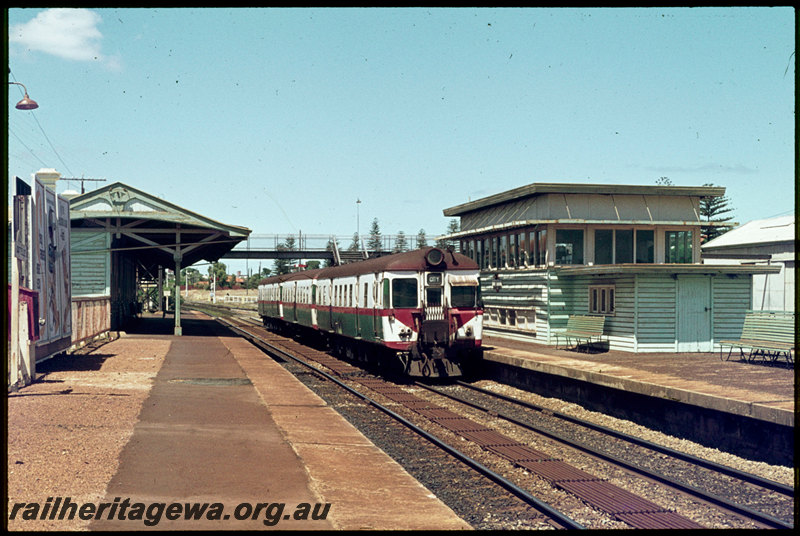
286, 348
621, 505
733, 490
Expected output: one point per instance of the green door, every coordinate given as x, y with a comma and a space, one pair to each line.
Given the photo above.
694, 314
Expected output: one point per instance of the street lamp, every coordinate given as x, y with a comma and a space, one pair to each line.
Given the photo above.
26, 103
358, 221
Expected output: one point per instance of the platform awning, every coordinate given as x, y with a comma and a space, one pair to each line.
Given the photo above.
155, 231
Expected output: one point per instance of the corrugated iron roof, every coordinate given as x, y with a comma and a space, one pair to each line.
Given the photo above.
766, 231
539, 188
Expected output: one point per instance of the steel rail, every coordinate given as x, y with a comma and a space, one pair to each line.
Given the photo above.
760, 517
543, 507
729, 471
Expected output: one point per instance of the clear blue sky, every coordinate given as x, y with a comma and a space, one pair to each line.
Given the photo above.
279, 120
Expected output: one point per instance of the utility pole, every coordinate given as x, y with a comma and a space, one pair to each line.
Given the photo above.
82, 179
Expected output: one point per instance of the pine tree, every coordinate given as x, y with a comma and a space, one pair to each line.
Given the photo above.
374, 243
354, 246
711, 210
421, 240
284, 266
400, 243
452, 227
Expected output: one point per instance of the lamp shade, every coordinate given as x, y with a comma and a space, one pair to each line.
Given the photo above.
27, 103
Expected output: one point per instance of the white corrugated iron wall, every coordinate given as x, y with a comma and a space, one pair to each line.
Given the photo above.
731, 297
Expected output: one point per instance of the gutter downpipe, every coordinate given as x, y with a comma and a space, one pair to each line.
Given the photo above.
635, 313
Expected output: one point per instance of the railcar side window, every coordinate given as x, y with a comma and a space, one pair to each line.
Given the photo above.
463, 296
404, 292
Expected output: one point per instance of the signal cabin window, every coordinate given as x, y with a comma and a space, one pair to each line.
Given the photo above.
463, 296
617, 246
537, 246
601, 299
404, 293
569, 246
624, 246
678, 247
645, 246
604, 246
541, 244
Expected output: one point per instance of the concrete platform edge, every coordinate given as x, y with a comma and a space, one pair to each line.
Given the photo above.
748, 409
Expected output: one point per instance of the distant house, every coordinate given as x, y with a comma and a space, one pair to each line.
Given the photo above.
761, 242
630, 253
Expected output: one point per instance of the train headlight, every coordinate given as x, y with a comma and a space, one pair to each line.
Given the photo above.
434, 257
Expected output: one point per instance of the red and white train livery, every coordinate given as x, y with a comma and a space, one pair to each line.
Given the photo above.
418, 311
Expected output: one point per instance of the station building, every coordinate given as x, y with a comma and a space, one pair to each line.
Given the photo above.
630, 253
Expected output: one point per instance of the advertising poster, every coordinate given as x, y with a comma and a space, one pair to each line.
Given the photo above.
40, 251
63, 279
21, 237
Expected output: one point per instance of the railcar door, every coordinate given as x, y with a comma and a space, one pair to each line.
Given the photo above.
375, 317
294, 302
329, 298
280, 301
357, 306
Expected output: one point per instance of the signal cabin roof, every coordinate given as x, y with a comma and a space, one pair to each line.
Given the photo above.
540, 188
154, 230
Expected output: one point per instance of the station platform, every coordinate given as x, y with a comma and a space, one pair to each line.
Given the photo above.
219, 423
206, 418
762, 391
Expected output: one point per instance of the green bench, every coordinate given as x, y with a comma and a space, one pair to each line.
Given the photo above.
766, 334
588, 329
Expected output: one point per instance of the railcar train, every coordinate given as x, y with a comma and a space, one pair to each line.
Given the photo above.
417, 312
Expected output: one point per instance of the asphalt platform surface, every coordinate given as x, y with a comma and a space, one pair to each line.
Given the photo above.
762, 390
225, 424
